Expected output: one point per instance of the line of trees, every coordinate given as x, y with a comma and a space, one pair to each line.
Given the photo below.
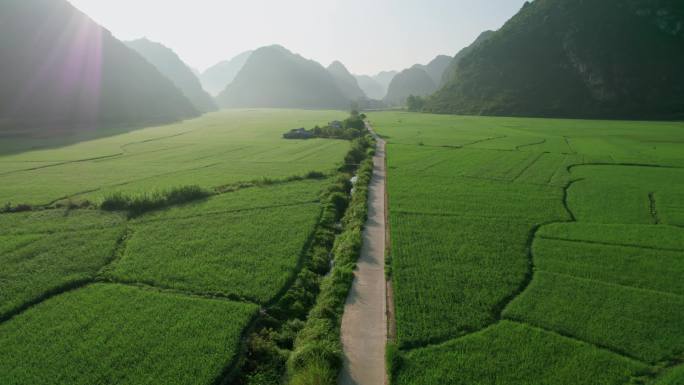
351, 128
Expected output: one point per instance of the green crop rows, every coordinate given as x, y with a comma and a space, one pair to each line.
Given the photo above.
108, 333
168, 296
535, 251
220, 254
218, 149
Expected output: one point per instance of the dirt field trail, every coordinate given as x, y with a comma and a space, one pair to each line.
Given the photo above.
364, 324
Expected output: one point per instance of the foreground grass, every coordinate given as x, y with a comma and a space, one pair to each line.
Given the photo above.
45, 252
628, 195
116, 334
640, 323
513, 354
42, 265
224, 254
459, 249
57, 221
644, 268
672, 377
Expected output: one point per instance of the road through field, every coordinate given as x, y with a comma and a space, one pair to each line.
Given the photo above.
364, 324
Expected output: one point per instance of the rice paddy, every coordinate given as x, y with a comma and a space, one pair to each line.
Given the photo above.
535, 251
162, 295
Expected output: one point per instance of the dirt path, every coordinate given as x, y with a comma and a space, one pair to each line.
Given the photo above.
364, 323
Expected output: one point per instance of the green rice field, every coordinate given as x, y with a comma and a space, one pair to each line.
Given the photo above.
535, 251
89, 296
217, 149
522, 251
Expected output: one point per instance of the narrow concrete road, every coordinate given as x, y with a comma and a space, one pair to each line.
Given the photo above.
364, 323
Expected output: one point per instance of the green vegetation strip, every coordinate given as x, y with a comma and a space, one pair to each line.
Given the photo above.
317, 354
271, 343
107, 334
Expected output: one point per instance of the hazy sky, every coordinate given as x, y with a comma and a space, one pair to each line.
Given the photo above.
368, 36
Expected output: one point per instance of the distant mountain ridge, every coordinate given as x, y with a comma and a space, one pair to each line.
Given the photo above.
375, 87
217, 77
345, 81
372, 88
419, 80
413, 81
384, 78
573, 58
275, 77
436, 67
61, 68
171, 66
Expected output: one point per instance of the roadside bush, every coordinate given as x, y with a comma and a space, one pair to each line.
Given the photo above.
339, 202
358, 151
393, 360
314, 175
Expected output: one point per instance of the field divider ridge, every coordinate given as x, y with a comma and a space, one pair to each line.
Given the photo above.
574, 338
518, 147
610, 244
63, 163
534, 161
607, 283
170, 290
46, 295
69, 286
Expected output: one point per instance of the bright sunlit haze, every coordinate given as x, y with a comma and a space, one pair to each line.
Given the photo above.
368, 37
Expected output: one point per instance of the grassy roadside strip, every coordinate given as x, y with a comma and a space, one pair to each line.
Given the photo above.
271, 343
317, 352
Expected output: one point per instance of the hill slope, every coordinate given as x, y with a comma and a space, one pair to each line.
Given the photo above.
275, 77
435, 69
171, 66
371, 87
413, 81
384, 78
61, 68
345, 81
216, 78
450, 71
575, 58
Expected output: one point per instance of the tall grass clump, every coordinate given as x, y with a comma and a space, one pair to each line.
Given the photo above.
19, 208
137, 204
